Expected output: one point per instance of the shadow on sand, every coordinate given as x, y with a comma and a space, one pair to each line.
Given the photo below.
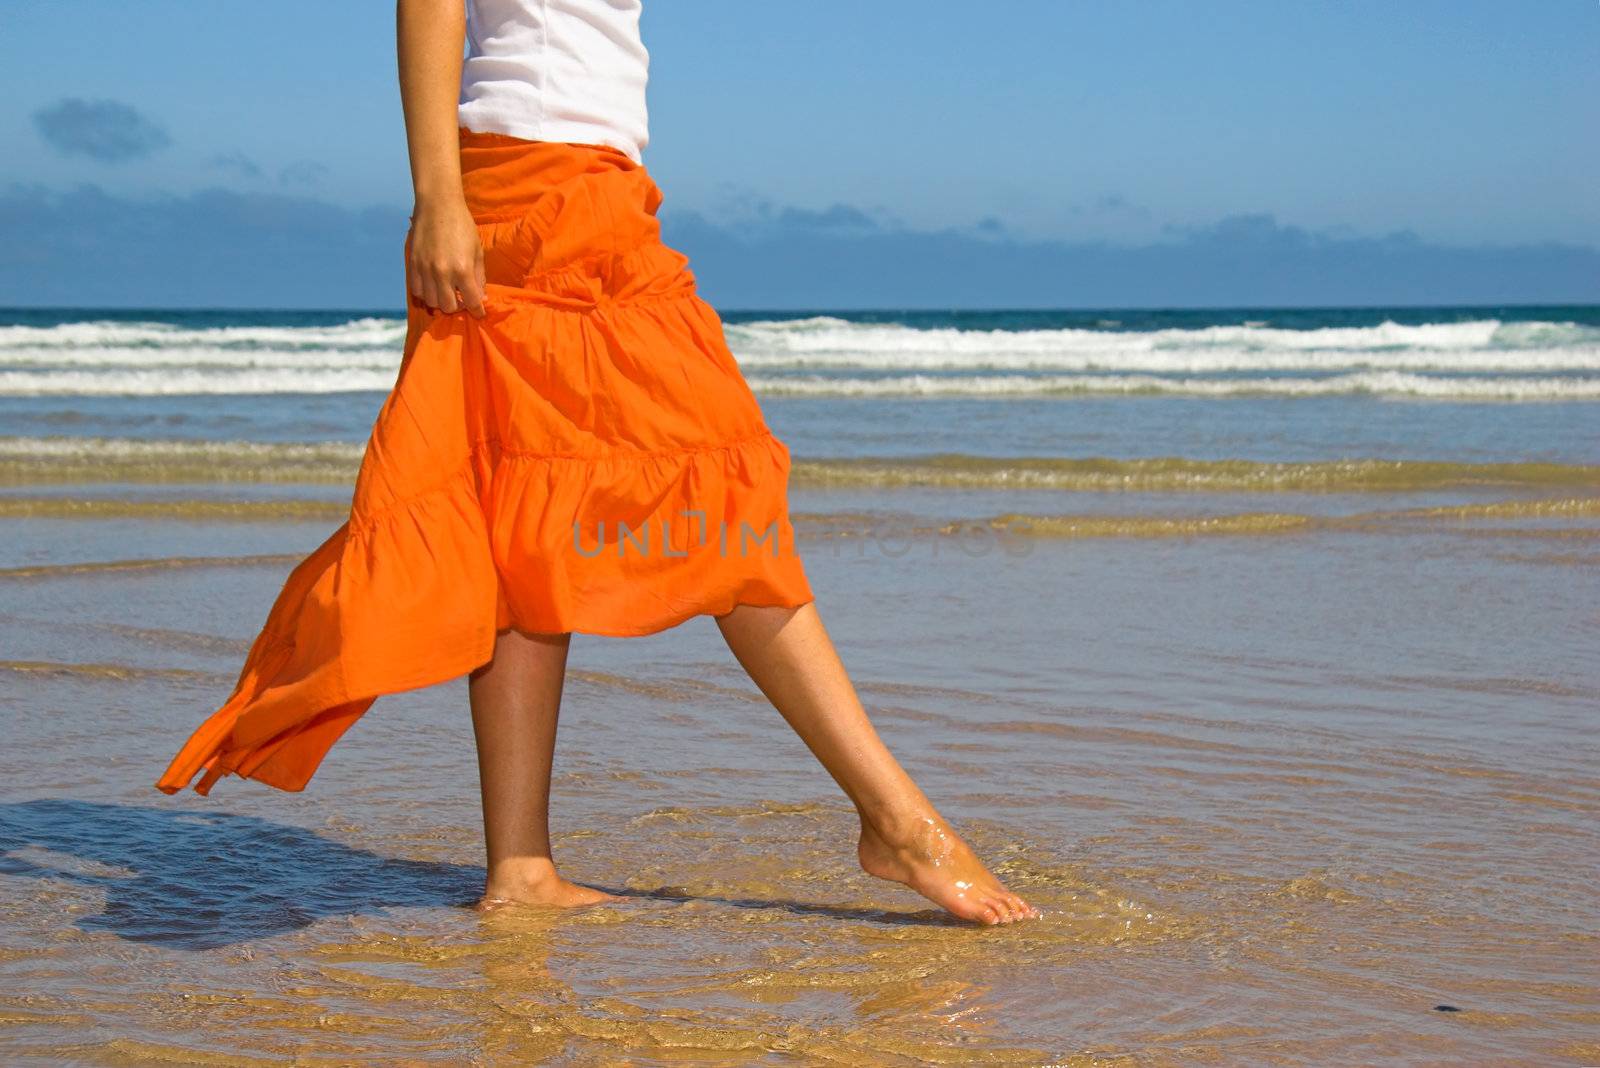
202, 880
198, 881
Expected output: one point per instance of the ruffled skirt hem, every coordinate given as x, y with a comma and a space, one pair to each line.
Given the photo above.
348, 628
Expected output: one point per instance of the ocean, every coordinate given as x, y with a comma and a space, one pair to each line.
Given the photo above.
1255, 646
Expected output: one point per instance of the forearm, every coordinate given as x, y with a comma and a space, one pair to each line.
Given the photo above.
429, 38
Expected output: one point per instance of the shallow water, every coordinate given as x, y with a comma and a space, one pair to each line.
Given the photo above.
1279, 797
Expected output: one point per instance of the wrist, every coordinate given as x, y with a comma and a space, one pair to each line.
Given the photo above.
430, 201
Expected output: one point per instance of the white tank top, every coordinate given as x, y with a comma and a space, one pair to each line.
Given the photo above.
556, 70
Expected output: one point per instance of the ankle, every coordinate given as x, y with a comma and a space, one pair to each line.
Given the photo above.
522, 871
902, 826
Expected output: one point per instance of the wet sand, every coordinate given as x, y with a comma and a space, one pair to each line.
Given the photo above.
1308, 792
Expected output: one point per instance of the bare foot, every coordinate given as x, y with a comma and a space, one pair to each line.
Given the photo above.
930, 858
537, 883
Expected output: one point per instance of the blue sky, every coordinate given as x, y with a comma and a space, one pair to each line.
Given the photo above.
1461, 125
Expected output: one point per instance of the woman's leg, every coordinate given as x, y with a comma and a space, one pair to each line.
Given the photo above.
790, 657
516, 700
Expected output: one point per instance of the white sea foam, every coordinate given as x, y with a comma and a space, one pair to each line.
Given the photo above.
91, 336
825, 355
162, 381
1392, 383
1480, 346
149, 358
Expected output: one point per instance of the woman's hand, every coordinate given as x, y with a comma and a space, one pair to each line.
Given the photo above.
445, 267
444, 264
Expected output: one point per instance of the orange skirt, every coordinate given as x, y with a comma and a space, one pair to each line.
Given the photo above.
587, 457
